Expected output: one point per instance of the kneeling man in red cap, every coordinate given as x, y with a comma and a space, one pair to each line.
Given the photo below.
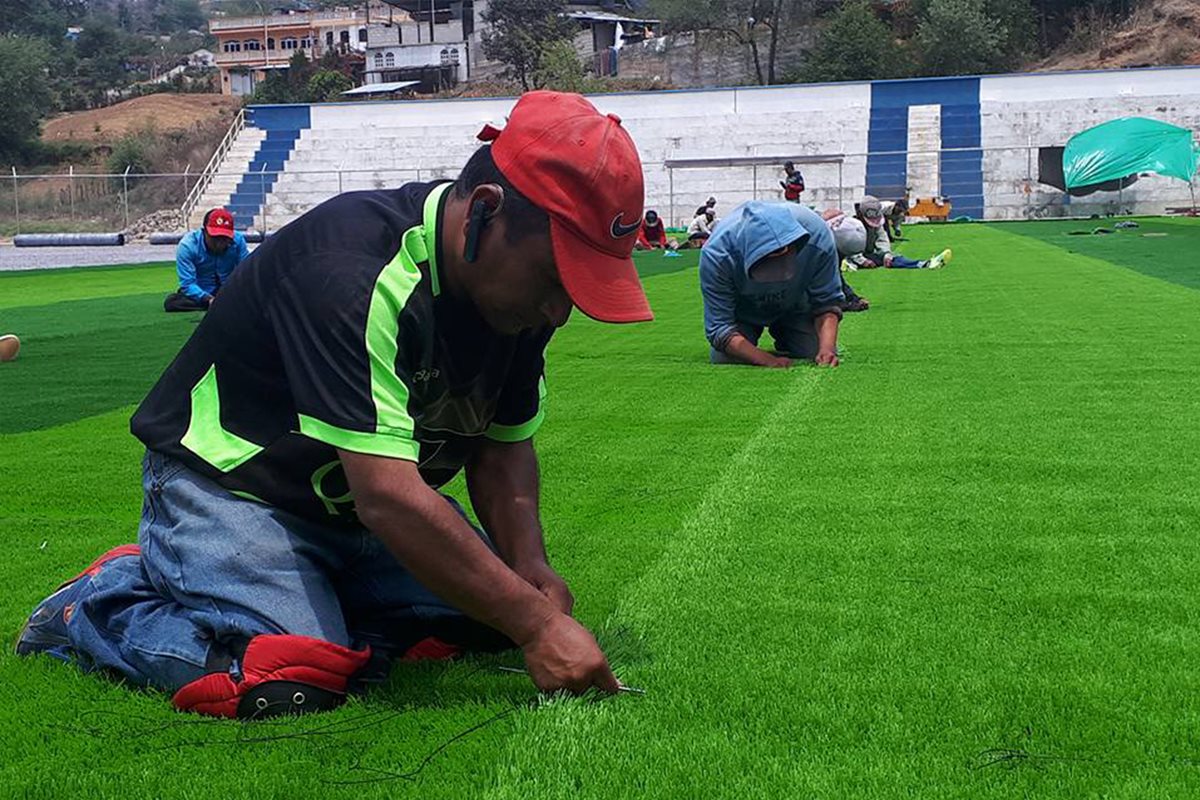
293, 541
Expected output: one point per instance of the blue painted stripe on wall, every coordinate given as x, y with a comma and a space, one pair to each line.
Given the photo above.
283, 125
961, 175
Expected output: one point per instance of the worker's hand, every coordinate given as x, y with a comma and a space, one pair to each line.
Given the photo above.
777, 362
542, 577
827, 358
564, 655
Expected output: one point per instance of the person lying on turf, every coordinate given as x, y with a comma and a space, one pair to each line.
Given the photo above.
204, 260
773, 266
293, 540
850, 237
652, 234
878, 252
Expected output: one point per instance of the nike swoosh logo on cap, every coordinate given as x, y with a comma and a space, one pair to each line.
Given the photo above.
619, 229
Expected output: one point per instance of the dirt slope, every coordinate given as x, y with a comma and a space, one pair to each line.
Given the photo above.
163, 112
1160, 33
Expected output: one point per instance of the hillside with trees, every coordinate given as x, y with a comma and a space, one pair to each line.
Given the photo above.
69, 55
784, 41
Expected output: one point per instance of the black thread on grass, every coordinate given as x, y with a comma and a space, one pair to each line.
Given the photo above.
384, 775
1013, 757
332, 728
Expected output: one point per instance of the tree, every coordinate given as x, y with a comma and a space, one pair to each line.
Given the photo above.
519, 32
24, 92
562, 71
854, 46
178, 15
326, 86
756, 25
42, 18
289, 87
1019, 24
957, 37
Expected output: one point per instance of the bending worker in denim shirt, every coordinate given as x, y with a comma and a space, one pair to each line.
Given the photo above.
204, 260
774, 266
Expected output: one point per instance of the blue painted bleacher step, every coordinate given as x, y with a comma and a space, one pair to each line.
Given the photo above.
252, 190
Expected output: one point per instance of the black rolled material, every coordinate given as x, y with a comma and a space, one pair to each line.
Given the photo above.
69, 240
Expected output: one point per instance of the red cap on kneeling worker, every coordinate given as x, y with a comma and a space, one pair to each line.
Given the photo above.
554, 150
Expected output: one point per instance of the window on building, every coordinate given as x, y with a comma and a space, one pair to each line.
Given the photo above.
362, 34
379, 61
252, 44
345, 37
329, 38
445, 56
391, 59
453, 55
271, 43
232, 47
289, 43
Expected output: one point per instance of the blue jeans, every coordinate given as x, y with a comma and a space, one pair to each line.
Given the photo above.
903, 262
216, 570
795, 337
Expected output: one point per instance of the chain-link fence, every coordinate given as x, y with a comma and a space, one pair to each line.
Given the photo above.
90, 202
997, 182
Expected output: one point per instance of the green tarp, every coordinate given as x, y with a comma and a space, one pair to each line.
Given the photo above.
1127, 146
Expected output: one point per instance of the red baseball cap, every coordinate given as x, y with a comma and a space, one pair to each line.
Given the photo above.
582, 168
220, 223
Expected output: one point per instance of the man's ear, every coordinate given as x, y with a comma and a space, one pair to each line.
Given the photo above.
492, 197
483, 204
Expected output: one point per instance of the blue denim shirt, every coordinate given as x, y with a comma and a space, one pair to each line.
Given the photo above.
741, 240
202, 273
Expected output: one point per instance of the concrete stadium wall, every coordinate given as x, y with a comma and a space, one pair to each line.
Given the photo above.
971, 139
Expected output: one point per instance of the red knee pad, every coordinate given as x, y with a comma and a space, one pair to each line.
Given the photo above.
279, 674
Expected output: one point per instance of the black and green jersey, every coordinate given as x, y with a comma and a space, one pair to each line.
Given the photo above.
335, 334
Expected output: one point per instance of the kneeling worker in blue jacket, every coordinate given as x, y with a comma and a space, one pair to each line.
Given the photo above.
772, 266
204, 260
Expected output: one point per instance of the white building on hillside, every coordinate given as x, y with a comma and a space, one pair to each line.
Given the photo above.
201, 59
435, 42
439, 42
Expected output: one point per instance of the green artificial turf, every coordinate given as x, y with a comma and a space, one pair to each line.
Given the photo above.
1167, 247
963, 564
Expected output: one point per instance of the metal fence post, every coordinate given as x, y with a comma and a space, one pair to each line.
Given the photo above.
262, 180
1028, 176
16, 199
939, 174
186, 170
754, 181
71, 189
125, 186
340, 180
671, 194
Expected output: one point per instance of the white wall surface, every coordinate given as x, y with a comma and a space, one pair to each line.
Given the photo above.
376, 144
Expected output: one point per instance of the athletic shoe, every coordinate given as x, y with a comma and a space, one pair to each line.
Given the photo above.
46, 629
857, 304
9, 347
940, 260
